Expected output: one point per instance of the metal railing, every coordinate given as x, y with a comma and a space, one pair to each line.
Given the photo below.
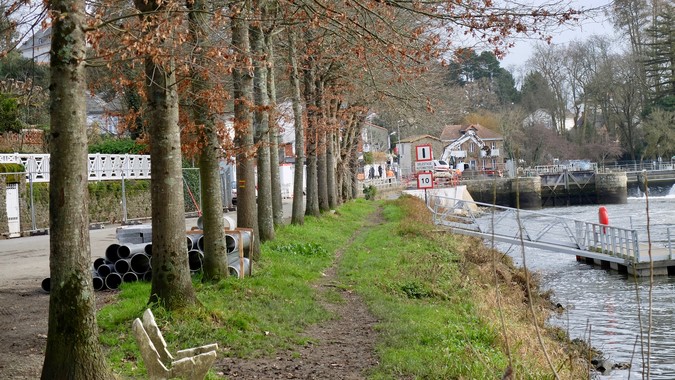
537, 229
102, 167
33, 199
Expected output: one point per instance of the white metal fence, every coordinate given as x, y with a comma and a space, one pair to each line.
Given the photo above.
102, 167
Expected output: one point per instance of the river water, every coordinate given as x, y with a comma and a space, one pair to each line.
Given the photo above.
610, 305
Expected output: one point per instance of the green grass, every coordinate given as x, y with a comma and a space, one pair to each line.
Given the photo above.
428, 326
409, 276
251, 317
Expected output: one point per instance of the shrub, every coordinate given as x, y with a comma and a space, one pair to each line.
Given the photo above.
118, 146
369, 192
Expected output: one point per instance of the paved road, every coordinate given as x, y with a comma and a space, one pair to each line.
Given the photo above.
25, 261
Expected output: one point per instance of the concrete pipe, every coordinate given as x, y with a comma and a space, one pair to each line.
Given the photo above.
234, 268
230, 244
127, 250
111, 253
122, 266
148, 249
200, 243
46, 284
113, 280
192, 241
195, 260
238, 239
232, 257
105, 269
100, 261
139, 263
97, 281
129, 277
147, 276
228, 223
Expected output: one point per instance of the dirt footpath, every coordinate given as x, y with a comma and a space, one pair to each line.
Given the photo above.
342, 348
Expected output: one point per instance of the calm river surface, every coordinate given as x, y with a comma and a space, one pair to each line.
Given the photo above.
606, 302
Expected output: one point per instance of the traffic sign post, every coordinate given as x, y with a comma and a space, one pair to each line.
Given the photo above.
423, 153
424, 166
425, 180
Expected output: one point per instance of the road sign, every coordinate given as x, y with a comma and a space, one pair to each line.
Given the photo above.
424, 153
424, 166
425, 180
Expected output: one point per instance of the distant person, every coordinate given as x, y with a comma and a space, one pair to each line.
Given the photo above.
379, 170
371, 173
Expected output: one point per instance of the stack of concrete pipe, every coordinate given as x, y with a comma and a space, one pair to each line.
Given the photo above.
129, 259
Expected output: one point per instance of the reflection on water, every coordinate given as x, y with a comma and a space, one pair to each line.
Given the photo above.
606, 302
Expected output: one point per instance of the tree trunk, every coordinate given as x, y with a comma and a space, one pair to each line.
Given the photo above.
262, 139
73, 350
322, 172
330, 171
298, 216
215, 250
354, 163
331, 152
312, 197
346, 153
171, 280
277, 203
242, 84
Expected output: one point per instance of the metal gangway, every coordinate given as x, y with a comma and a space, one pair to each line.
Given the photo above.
549, 232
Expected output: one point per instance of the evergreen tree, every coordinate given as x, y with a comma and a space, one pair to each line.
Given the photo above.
660, 62
470, 67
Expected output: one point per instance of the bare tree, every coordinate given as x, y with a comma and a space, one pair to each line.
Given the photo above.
261, 125
298, 216
247, 210
73, 350
215, 250
310, 93
278, 211
171, 280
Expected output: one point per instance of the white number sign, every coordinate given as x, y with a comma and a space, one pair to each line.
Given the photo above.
425, 181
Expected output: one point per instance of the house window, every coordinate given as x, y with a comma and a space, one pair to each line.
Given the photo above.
471, 148
288, 150
494, 145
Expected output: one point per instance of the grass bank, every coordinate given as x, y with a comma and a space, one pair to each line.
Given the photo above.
447, 306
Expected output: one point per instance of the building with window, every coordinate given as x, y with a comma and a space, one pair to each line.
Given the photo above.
37, 46
473, 146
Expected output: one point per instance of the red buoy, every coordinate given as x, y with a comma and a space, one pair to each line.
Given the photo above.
604, 217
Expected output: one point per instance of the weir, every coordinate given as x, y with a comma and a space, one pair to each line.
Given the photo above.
551, 189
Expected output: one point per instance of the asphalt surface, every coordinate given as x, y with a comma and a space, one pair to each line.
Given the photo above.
25, 260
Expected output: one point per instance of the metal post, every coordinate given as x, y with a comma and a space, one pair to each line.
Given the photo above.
670, 244
636, 246
124, 199
199, 177
32, 203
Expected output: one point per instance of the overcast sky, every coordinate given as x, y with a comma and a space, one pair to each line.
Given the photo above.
599, 25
